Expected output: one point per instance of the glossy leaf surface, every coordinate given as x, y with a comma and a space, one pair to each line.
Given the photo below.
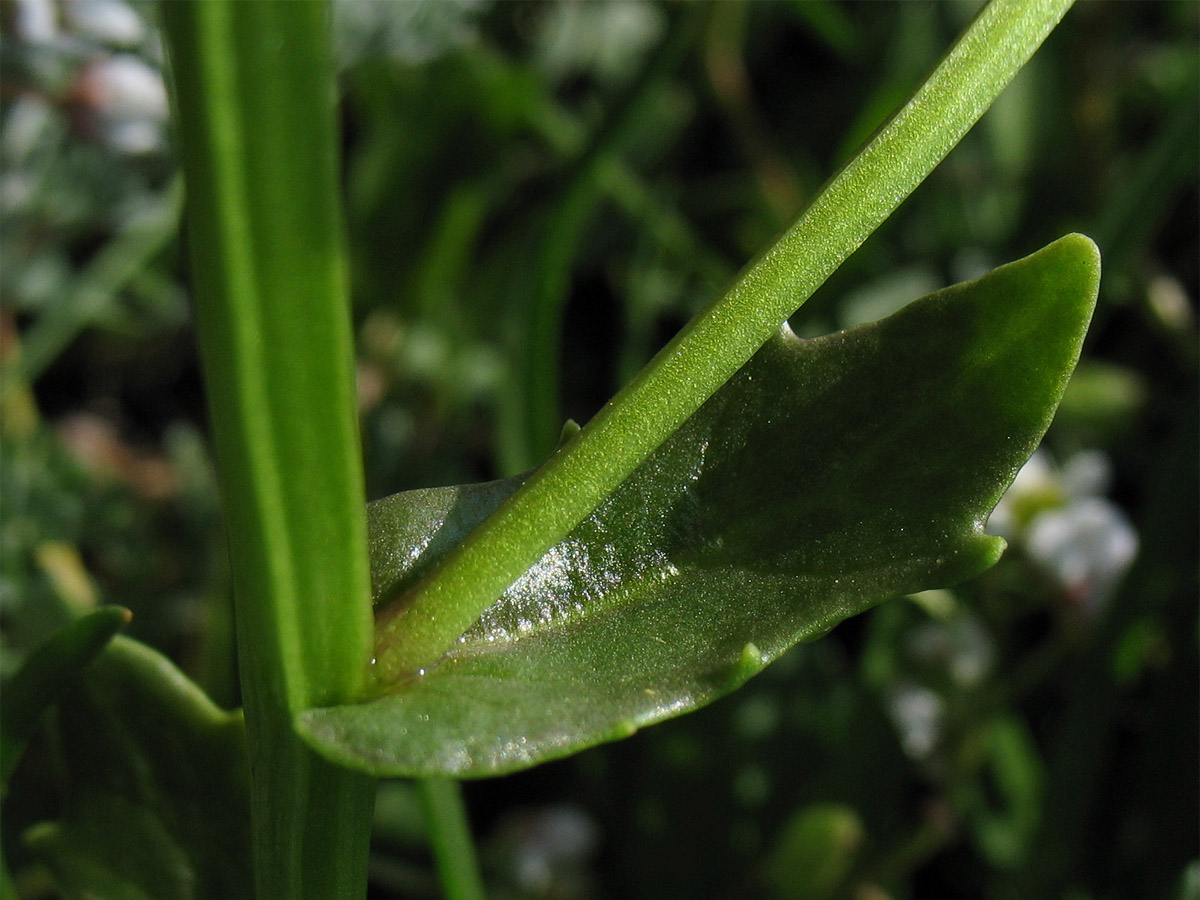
826, 476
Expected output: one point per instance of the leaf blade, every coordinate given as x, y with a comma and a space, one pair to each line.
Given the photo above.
721, 338
47, 673
155, 785
799, 495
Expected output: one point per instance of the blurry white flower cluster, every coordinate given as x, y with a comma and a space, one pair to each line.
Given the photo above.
917, 712
955, 647
88, 192
1061, 519
546, 851
124, 103
100, 61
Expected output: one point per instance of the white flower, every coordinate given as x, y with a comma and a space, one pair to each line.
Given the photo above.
1083, 540
126, 102
1087, 545
105, 21
917, 713
960, 645
34, 21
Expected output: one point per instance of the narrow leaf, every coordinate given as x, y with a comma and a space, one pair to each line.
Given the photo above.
47, 673
826, 476
154, 785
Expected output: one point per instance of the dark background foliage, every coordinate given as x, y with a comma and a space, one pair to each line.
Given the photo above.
537, 196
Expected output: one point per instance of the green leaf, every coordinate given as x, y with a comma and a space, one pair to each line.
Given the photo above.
46, 674
155, 786
1005, 818
720, 339
826, 476
815, 852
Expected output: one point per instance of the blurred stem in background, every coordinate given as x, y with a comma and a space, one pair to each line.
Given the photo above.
530, 430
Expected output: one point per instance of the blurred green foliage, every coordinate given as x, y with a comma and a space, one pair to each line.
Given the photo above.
537, 195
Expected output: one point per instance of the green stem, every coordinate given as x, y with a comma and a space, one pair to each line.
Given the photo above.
414, 632
450, 837
256, 115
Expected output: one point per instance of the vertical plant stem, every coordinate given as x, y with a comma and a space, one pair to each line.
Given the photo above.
256, 119
450, 838
417, 631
